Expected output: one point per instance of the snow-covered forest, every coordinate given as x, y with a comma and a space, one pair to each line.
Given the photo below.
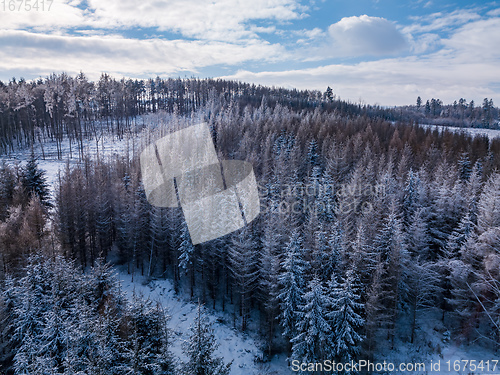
371, 230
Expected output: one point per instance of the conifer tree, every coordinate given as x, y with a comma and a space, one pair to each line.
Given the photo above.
147, 351
34, 180
200, 349
314, 340
292, 284
346, 317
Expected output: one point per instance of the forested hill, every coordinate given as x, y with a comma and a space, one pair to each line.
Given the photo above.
373, 235
63, 107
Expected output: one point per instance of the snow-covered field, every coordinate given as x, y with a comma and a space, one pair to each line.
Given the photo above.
490, 133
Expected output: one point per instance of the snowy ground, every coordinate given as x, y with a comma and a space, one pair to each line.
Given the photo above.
241, 348
433, 348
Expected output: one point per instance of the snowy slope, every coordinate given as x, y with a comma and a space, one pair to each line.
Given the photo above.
234, 345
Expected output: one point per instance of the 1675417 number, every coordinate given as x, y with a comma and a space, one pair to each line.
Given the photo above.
25, 5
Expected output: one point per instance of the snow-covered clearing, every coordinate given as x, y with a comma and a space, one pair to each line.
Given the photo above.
431, 346
109, 146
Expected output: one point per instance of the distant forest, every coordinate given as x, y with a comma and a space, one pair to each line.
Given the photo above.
61, 106
370, 229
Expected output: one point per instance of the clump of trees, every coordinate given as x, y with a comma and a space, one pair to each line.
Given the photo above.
375, 213
459, 113
57, 319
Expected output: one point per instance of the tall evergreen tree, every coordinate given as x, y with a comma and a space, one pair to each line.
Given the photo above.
34, 180
292, 284
346, 317
200, 350
147, 351
314, 341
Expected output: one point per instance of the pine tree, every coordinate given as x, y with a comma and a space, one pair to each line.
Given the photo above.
362, 259
268, 283
423, 289
391, 250
457, 238
200, 350
7, 186
147, 348
410, 197
446, 209
376, 317
186, 255
488, 221
416, 235
313, 159
322, 259
328, 95
465, 168
243, 263
186, 249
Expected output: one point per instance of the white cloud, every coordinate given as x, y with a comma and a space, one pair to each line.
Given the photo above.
129, 57
224, 20
494, 12
309, 36
441, 21
478, 40
62, 14
461, 62
424, 43
365, 35
467, 67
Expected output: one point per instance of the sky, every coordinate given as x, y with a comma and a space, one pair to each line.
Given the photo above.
383, 52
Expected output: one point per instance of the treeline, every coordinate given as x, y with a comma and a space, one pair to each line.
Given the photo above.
459, 113
61, 107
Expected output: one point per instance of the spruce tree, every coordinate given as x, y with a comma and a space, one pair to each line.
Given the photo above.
34, 180
200, 350
314, 340
147, 347
346, 317
292, 284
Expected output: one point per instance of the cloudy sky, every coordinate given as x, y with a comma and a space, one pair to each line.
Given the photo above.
384, 52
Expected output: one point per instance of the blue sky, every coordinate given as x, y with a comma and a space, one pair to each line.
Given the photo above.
383, 52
